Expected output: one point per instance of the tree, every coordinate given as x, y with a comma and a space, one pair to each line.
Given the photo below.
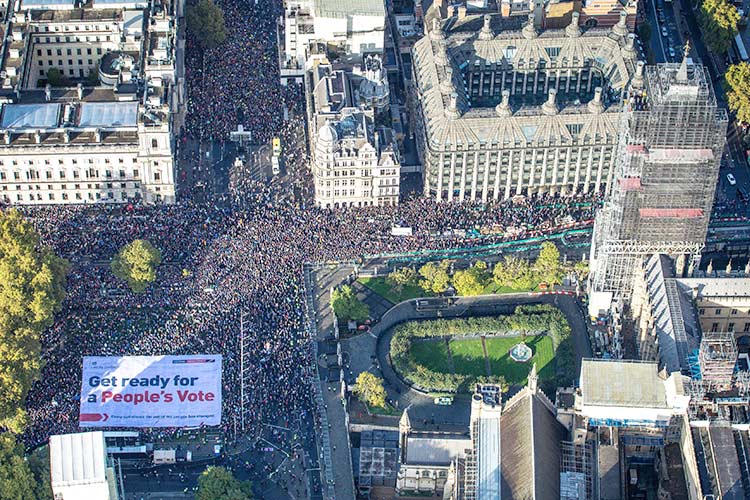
644, 32
738, 81
514, 273
39, 464
205, 21
581, 270
32, 287
718, 20
347, 306
55, 77
547, 266
136, 263
435, 277
17, 482
401, 277
369, 389
217, 483
471, 281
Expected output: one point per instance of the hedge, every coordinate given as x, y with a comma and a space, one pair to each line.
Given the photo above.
525, 320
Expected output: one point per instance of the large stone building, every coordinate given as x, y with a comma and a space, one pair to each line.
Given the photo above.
355, 163
97, 129
502, 113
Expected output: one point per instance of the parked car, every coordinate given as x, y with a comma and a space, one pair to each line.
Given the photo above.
731, 179
671, 52
444, 401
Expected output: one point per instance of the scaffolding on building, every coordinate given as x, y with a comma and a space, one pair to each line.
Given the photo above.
576, 471
671, 140
697, 392
718, 357
742, 382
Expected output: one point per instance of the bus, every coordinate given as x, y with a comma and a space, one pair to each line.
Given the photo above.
741, 52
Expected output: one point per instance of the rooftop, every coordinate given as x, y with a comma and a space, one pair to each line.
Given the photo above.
435, 450
77, 459
109, 114
348, 8
718, 287
622, 383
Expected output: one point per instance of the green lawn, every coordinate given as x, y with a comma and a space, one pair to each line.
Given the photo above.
432, 354
382, 288
514, 372
468, 357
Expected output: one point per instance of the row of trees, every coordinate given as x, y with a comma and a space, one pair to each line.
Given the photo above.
513, 272
718, 20
525, 320
32, 287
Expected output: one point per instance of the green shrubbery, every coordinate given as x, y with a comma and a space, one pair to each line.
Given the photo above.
526, 320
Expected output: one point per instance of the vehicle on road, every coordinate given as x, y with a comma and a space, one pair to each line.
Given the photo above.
444, 401
664, 32
671, 52
731, 179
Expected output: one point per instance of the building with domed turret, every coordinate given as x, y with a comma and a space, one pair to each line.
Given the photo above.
354, 162
503, 112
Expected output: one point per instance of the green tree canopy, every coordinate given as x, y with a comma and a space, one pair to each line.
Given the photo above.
217, 483
17, 482
205, 20
738, 81
369, 389
401, 277
136, 263
347, 306
55, 77
472, 280
547, 266
718, 20
435, 277
514, 273
32, 286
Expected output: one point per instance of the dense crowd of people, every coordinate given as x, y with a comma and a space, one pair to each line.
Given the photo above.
223, 262
232, 266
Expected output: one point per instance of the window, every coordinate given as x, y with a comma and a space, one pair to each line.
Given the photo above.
717, 312
154, 143
734, 311
714, 327
746, 328
701, 311
730, 327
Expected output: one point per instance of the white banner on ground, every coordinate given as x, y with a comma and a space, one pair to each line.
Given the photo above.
151, 391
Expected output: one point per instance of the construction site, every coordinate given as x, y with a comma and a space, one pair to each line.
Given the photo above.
672, 137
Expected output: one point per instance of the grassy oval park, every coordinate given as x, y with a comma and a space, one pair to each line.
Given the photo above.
451, 355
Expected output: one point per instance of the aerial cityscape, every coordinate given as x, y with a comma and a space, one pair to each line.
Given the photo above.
374, 249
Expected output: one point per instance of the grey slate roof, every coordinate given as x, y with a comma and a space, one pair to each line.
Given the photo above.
530, 452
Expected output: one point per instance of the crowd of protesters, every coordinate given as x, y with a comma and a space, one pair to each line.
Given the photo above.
221, 262
232, 267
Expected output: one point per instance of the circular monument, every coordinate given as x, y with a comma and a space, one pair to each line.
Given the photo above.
520, 353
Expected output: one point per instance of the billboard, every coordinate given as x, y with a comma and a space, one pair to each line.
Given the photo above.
151, 391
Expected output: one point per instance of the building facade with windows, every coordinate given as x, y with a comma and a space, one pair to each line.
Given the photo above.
355, 163
502, 113
98, 130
